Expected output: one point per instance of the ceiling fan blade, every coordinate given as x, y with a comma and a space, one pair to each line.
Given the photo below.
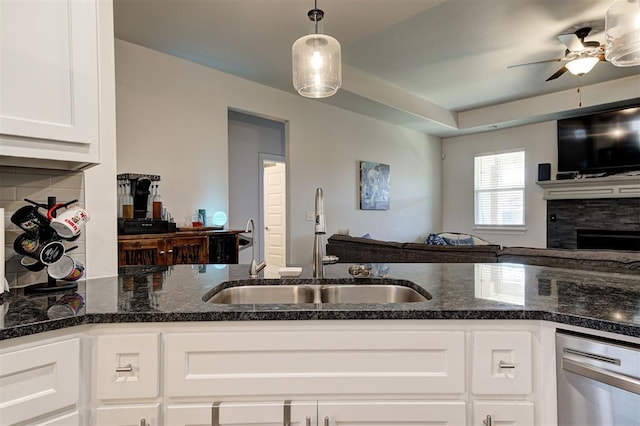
557, 74
538, 62
571, 41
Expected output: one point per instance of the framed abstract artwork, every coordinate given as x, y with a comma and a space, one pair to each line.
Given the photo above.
374, 186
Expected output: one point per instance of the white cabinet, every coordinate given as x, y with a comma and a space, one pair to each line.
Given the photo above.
57, 76
127, 366
128, 415
502, 368
502, 362
40, 382
498, 413
320, 413
383, 413
281, 360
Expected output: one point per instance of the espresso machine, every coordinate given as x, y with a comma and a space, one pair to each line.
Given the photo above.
136, 217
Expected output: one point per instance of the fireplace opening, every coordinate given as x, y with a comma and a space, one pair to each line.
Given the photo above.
608, 240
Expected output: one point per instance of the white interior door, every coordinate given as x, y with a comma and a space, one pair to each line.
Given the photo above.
274, 211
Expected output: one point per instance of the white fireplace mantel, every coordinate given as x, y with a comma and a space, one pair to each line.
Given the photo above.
584, 188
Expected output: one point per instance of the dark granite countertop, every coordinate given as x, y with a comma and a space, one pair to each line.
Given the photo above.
602, 301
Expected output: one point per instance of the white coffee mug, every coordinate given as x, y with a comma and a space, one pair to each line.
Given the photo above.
67, 269
69, 222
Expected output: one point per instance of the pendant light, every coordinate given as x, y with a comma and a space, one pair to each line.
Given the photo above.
317, 68
622, 33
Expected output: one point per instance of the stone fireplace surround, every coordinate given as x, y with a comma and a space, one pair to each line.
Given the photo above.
620, 216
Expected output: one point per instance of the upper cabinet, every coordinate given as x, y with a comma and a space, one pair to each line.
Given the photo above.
56, 77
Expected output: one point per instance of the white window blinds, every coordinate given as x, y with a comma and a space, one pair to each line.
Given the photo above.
499, 189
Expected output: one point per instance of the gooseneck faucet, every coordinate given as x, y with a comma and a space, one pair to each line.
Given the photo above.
254, 267
319, 260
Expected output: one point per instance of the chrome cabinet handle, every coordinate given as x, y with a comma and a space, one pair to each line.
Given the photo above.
126, 369
326, 420
161, 251
143, 422
487, 421
503, 364
170, 251
286, 416
215, 414
308, 421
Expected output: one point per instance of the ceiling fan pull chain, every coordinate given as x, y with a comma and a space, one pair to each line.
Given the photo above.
579, 94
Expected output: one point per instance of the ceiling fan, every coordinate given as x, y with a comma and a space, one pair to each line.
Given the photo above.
580, 56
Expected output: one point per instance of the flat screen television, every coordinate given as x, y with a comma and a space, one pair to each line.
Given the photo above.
606, 142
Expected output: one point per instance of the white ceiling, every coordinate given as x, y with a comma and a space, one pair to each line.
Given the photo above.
446, 56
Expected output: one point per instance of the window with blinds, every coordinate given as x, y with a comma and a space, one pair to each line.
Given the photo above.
499, 189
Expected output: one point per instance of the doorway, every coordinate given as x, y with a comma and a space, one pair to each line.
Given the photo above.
253, 143
274, 208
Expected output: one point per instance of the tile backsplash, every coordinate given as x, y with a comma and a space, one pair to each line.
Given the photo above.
16, 184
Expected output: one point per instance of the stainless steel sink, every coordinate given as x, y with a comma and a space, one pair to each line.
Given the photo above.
256, 294
314, 292
370, 294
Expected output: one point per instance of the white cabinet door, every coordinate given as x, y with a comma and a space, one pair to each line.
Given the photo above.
51, 74
502, 363
128, 415
241, 414
384, 413
289, 362
70, 419
128, 366
39, 380
503, 413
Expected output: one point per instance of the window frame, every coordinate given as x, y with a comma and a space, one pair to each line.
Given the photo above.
516, 228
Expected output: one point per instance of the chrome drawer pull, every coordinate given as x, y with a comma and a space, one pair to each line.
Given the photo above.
287, 413
487, 421
308, 421
215, 414
126, 369
326, 421
503, 364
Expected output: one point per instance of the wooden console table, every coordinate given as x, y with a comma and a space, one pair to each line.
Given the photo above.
185, 246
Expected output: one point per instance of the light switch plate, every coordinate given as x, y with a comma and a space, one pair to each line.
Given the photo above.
310, 216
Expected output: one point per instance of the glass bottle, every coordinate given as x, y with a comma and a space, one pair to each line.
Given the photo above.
127, 206
157, 204
149, 213
120, 199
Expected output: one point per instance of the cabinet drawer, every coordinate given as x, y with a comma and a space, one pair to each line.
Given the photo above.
277, 362
507, 412
127, 366
110, 415
502, 362
39, 380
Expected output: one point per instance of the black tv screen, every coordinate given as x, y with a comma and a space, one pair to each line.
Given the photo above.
606, 142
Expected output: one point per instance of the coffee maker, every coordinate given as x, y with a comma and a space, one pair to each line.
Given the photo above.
139, 187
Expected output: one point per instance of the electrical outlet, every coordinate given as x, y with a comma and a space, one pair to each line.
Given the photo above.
310, 216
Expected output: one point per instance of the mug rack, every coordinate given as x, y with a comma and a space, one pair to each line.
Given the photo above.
51, 285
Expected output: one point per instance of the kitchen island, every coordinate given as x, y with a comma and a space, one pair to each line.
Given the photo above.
601, 301
148, 346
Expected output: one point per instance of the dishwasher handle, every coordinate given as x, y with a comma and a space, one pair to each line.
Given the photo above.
622, 381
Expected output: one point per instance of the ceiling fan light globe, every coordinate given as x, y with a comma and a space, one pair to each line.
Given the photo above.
581, 66
622, 33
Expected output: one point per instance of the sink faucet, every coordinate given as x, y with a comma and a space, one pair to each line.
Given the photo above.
319, 260
254, 267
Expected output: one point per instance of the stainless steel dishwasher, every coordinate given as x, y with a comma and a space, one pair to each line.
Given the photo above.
598, 381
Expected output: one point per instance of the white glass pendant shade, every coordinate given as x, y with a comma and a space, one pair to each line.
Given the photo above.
581, 66
622, 33
317, 66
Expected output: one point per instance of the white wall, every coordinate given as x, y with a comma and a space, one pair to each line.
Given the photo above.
172, 121
539, 143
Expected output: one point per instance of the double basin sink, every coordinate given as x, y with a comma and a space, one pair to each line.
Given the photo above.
315, 291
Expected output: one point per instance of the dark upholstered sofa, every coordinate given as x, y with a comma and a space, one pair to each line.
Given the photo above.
364, 250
